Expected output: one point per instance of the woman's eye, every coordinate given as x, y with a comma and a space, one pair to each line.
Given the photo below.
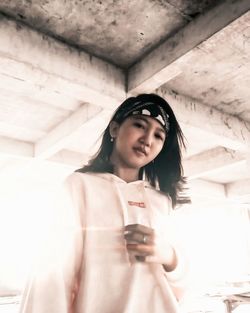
158, 136
139, 125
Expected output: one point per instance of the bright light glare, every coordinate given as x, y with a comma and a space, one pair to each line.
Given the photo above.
216, 239
26, 216
217, 245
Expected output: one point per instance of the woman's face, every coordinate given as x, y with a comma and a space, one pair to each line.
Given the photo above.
138, 140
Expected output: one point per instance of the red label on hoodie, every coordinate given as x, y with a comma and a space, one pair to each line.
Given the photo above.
139, 204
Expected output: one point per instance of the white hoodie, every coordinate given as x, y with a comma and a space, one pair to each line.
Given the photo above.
87, 268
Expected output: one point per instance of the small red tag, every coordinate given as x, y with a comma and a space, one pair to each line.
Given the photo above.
139, 204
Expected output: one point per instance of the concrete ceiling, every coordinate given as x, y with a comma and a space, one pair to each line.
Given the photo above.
111, 30
65, 66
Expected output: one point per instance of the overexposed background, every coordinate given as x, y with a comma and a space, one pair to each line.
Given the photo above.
66, 65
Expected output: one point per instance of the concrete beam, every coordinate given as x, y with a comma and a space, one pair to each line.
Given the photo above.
238, 188
19, 158
206, 193
15, 90
15, 148
67, 157
228, 131
211, 161
203, 187
26, 54
58, 138
163, 63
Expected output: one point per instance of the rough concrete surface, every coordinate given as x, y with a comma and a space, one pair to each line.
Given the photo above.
118, 31
218, 73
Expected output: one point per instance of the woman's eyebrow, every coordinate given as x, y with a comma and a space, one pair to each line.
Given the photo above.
141, 118
160, 128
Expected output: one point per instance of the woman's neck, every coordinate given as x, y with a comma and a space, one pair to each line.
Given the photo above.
127, 174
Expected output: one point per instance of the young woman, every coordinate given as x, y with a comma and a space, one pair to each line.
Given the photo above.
114, 250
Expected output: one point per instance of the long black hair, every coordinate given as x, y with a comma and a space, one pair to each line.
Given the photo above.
165, 171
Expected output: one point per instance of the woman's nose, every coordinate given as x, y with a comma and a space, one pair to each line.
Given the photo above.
147, 138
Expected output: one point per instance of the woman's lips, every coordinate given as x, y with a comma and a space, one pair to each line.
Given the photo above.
140, 151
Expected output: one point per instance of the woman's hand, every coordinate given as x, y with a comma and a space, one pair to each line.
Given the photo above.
147, 246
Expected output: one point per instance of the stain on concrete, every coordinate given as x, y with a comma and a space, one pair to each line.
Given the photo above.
112, 29
209, 92
192, 7
232, 103
247, 125
244, 115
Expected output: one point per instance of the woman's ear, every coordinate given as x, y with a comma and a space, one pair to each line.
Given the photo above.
113, 129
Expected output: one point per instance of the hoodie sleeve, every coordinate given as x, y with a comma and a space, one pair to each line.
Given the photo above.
178, 278
53, 282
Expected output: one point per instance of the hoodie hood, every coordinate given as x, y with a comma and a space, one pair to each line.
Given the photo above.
116, 179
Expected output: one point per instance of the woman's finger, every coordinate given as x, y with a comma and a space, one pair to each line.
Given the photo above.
138, 237
139, 229
141, 249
